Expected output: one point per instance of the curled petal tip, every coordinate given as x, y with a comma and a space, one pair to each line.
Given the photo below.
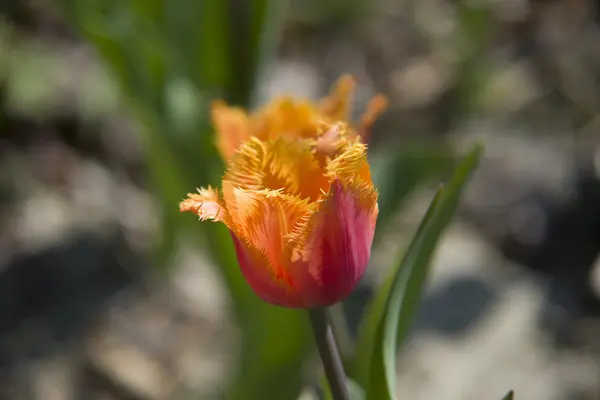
205, 204
375, 108
232, 125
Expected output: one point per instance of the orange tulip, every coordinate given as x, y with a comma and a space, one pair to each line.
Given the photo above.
297, 198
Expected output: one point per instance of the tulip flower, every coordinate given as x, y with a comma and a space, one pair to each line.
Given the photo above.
297, 197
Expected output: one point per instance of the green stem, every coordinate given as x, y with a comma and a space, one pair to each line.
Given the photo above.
332, 363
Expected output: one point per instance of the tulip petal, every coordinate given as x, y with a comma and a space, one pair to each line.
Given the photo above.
337, 105
286, 117
278, 164
351, 164
331, 142
331, 254
375, 108
253, 265
264, 219
206, 204
330, 249
232, 126
294, 162
246, 169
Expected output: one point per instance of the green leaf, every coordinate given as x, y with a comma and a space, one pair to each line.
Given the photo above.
391, 312
509, 396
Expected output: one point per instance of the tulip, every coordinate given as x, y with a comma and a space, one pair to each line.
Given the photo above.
297, 197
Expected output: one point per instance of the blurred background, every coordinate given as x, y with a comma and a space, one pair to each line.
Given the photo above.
106, 292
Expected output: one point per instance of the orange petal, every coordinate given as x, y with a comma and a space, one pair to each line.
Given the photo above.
206, 204
278, 164
264, 219
288, 118
232, 126
351, 164
247, 167
375, 108
293, 162
337, 105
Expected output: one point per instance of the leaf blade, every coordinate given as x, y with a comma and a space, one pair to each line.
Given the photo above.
402, 291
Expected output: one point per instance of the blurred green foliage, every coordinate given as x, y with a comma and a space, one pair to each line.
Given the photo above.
398, 169
33, 72
323, 13
474, 33
171, 59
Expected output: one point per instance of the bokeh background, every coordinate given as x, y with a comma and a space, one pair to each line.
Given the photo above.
107, 293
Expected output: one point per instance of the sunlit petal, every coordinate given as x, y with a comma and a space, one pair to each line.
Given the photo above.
206, 204
264, 219
232, 125
278, 164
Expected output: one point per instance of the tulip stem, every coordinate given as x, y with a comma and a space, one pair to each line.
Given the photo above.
330, 356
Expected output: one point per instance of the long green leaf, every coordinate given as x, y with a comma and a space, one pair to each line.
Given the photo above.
391, 312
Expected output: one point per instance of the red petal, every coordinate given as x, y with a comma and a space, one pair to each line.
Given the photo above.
336, 252
259, 275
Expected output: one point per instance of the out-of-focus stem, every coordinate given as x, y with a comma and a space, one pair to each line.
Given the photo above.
339, 324
330, 356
